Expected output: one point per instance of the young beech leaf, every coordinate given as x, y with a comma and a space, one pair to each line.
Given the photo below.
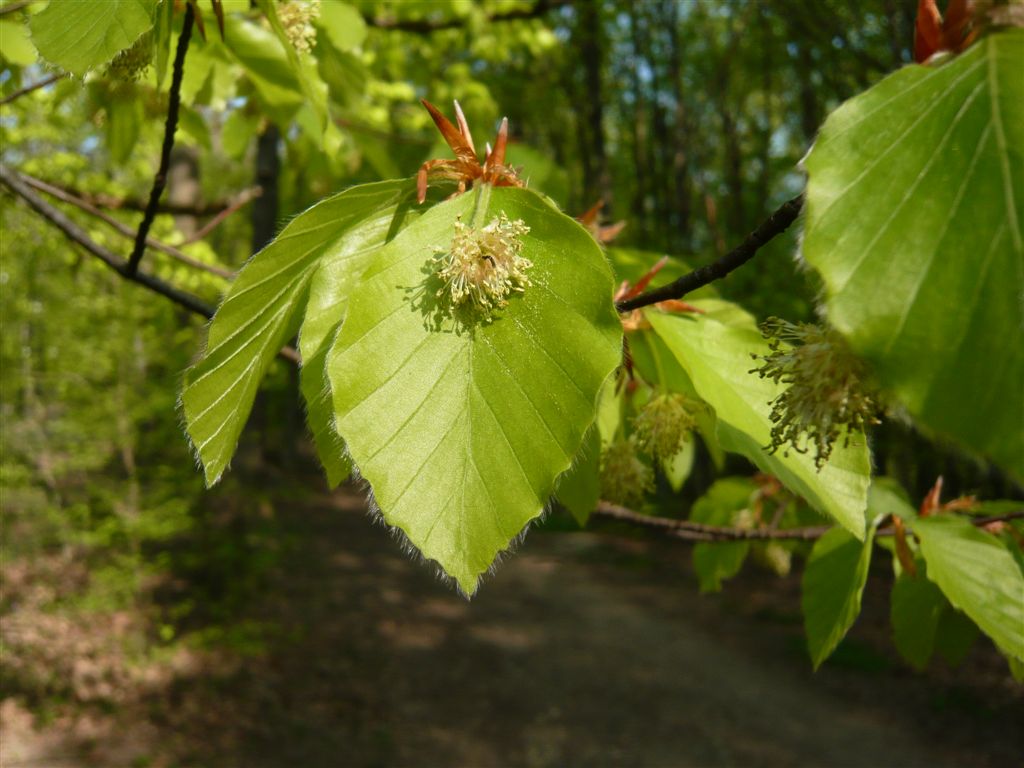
460, 417
262, 310
82, 36
915, 221
580, 487
832, 585
717, 359
978, 575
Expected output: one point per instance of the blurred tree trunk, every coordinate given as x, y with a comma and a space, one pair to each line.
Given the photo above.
596, 178
640, 142
682, 137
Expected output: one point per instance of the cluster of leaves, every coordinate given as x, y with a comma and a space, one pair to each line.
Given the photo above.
465, 424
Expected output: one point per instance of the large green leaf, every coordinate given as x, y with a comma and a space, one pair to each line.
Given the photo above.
80, 36
15, 46
462, 427
337, 272
915, 210
978, 575
262, 311
717, 359
832, 585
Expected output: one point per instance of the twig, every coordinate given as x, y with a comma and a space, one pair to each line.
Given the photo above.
123, 228
12, 179
426, 26
774, 225
243, 199
160, 180
29, 88
691, 531
111, 202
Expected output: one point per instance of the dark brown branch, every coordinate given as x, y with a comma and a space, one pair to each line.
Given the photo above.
691, 531
160, 180
773, 226
426, 26
122, 228
12, 179
29, 88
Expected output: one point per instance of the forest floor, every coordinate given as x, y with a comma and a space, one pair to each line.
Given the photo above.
584, 649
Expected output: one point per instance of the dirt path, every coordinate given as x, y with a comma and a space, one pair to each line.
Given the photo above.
583, 650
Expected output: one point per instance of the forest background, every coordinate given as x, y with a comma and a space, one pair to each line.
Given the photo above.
131, 593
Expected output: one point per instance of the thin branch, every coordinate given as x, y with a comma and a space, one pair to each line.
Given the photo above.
774, 225
160, 180
691, 531
114, 203
243, 199
688, 530
12, 179
29, 88
426, 26
123, 228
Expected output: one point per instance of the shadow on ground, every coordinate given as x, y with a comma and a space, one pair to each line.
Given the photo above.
585, 649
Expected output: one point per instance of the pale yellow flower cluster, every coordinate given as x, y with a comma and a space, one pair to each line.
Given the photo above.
826, 395
297, 18
484, 266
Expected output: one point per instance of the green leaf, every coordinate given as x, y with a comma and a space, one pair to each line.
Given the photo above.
715, 561
832, 585
162, 27
955, 636
124, 119
238, 132
266, 64
332, 283
915, 609
461, 426
978, 575
580, 488
717, 359
343, 24
81, 36
915, 210
677, 468
261, 312
15, 46
313, 89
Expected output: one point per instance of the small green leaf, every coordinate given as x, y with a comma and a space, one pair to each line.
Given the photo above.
261, 313
915, 221
124, 119
717, 359
677, 468
915, 609
266, 64
978, 575
462, 426
162, 28
580, 488
716, 561
343, 24
81, 36
832, 585
15, 45
955, 636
